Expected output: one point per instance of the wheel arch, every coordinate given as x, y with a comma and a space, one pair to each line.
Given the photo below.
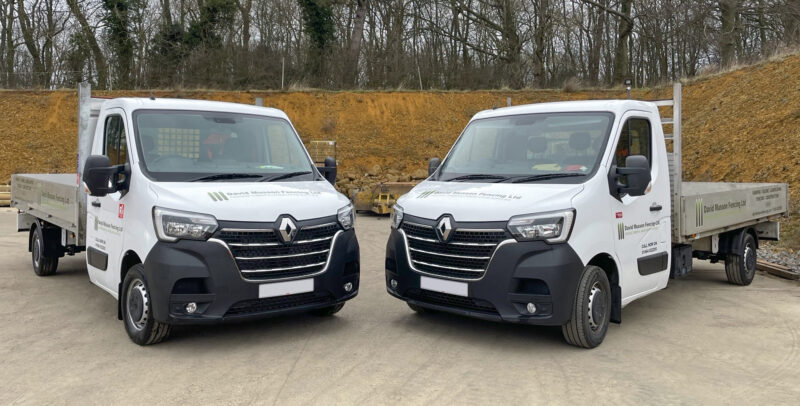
129, 259
607, 263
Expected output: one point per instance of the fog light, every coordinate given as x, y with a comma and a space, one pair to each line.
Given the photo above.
393, 284
191, 307
531, 308
348, 287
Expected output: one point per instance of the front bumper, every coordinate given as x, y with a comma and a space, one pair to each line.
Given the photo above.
205, 273
519, 273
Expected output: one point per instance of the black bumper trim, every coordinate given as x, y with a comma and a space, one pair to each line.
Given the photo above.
519, 273
223, 287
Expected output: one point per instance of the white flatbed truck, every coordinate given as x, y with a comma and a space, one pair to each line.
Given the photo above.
564, 213
193, 212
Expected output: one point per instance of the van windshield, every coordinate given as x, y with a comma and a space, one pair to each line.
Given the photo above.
552, 147
207, 146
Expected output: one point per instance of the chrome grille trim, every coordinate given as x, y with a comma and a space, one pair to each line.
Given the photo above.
254, 244
446, 255
287, 268
243, 273
455, 268
483, 271
283, 256
466, 244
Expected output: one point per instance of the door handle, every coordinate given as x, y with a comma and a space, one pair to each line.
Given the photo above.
655, 207
96, 203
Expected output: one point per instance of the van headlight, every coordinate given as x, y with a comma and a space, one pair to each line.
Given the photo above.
552, 227
346, 216
174, 225
397, 216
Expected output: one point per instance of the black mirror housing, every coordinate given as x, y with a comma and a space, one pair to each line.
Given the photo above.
637, 174
99, 176
329, 170
433, 165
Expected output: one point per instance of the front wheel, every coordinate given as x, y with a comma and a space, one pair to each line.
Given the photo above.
591, 311
43, 265
137, 313
740, 268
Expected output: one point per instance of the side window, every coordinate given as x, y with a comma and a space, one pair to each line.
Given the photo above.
635, 139
115, 140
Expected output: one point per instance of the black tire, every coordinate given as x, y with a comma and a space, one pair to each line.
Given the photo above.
136, 313
740, 268
328, 311
42, 265
591, 311
418, 309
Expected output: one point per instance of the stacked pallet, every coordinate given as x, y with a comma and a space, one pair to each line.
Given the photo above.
5, 195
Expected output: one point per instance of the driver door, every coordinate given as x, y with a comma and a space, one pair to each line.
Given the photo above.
642, 236
104, 215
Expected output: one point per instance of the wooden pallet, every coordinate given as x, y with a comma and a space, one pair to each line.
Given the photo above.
5, 195
777, 270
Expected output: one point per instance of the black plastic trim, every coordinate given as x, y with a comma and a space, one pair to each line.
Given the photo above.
556, 265
97, 258
653, 263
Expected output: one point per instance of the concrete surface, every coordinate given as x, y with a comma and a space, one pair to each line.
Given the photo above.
699, 341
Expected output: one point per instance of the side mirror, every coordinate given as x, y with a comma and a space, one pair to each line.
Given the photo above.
433, 165
637, 176
329, 170
100, 177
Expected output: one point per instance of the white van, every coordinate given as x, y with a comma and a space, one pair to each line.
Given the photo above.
196, 212
564, 213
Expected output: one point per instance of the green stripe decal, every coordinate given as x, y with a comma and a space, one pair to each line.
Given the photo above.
211, 195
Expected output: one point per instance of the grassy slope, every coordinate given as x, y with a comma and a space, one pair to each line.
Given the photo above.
738, 126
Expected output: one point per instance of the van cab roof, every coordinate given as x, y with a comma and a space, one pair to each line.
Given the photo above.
614, 106
129, 104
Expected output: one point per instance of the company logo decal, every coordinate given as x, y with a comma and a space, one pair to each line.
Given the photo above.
638, 228
224, 196
698, 216
121, 211
444, 229
287, 229
468, 195
217, 196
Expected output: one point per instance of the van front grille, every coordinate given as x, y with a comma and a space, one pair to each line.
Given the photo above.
261, 255
465, 256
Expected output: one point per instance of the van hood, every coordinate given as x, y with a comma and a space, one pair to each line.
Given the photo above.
485, 201
250, 201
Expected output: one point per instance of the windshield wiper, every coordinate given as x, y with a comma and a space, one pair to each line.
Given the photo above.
285, 176
223, 176
545, 176
476, 176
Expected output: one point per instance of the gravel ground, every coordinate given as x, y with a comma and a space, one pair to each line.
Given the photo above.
782, 256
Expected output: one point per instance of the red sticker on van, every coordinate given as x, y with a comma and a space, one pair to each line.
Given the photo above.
121, 211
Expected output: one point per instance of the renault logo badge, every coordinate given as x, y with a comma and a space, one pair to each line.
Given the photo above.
287, 229
444, 228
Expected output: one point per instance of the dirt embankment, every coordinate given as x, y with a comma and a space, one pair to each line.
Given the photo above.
739, 126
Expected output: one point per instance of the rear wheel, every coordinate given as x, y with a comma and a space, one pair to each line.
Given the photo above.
740, 268
591, 311
328, 311
43, 265
137, 312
